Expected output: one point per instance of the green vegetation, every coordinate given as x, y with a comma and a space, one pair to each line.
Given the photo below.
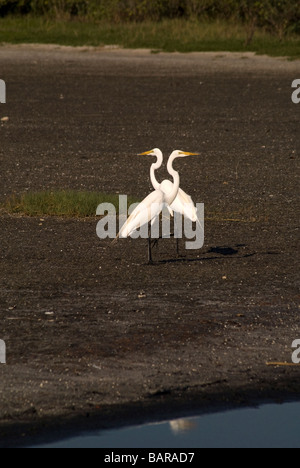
167, 35
68, 203
279, 16
263, 26
83, 204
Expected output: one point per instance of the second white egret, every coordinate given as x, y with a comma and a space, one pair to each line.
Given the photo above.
183, 203
150, 208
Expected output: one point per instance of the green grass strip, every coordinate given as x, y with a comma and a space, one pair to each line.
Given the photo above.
65, 203
168, 35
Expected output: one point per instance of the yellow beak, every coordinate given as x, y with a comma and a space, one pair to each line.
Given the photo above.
189, 154
147, 152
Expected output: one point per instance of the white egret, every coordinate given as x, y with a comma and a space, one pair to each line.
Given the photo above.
183, 203
150, 208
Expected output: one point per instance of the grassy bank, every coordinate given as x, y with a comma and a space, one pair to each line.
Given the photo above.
83, 204
168, 35
66, 203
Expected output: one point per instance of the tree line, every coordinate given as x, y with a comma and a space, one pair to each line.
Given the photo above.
279, 17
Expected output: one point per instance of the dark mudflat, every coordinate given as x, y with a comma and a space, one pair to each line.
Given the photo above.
90, 328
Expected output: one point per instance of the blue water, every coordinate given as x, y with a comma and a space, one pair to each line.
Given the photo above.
269, 426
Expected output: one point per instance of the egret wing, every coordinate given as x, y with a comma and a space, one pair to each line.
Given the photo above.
144, 213
182, 204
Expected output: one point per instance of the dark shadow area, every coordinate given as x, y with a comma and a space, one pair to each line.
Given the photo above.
220, 251
223, 250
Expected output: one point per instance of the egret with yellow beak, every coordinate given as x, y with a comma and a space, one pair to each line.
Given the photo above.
151, 207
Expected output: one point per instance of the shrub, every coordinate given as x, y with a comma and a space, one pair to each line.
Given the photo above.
278, 16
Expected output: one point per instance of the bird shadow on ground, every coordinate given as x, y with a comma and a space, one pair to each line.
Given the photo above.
220, 253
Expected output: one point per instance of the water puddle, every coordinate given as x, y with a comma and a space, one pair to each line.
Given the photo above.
268, 426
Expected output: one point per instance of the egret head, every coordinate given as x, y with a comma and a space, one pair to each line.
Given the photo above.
182, 154
154, 152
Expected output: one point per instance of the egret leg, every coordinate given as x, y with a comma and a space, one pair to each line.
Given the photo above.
177, 247
176, 236
155, 242
150, 260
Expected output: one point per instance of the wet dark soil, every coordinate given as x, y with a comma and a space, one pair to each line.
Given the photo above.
90, 328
